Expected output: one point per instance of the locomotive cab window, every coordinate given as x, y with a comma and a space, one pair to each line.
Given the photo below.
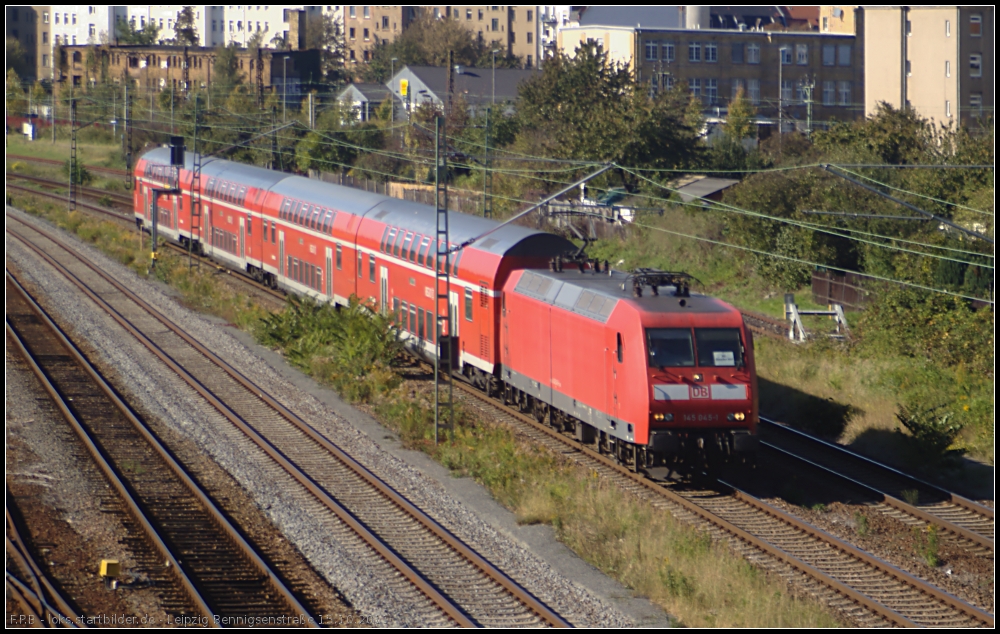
385, 236
670, 347
719, 347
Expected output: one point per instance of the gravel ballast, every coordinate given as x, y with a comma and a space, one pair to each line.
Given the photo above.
334, 555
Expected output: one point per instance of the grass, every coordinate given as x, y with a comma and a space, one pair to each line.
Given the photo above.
699, 583
104, 154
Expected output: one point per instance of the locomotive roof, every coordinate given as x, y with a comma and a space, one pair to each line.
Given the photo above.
508, 240
595, 295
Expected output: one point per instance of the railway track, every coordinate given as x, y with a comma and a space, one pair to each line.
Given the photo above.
861, 586
123, 200
35, 159
40, 602
450, 582
896, 494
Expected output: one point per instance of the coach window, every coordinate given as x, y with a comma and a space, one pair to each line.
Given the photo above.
399, 240
458, 259
316, 217
385, 237
273, 241
414, 247
430, 326
232, 192
468, 304
395, 308
423, 250
387, 241
406, 246
403, 316
413, 319
242, 195
249, 225
420, 323
328, 225
361, 269
371, 268
339, 266
209, 189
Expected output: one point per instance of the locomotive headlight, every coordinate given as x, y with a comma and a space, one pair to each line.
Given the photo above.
740, 416
657, 416
663, 417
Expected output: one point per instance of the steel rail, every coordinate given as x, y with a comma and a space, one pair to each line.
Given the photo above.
35, 159
954, 498
796, 523
445, 604
888, 499
217, 516
120, 199
18, 550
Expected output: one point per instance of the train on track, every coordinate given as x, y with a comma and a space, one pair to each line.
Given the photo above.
635, 363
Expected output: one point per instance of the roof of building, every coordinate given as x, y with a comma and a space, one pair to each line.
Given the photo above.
475, 84
370, 92
723, 17
655, 17
703, 187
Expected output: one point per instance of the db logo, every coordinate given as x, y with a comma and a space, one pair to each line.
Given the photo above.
699, 391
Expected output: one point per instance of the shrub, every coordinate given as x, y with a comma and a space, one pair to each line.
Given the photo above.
933, 430
81, 175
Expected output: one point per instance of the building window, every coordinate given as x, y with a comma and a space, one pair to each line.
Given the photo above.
57, 18
352, 12
351, 31
45, 60
802, 54
668, 51
826, 24
785, 52
366, 34
829, 55
844, 90
909, 71
711, 91
385, 22
480, 15
74, 40
45, 38
753, 88
786, 90
214, 24
947, 108
694, 86
495, 24
909, 28
45, 17
651, 51
975, 65
738, 85
92, 30
367, 12
844, 55
352, 53
947, 28
753, 53
694, 51
711, 52
975, 25
528, 61
74, 18
829, 94
531, 15
468, 14
947, 68
738, 53
530, 38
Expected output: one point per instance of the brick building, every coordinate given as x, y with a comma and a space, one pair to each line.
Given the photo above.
516, 27
182, 68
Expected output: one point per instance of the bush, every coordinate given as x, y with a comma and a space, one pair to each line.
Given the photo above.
353, 348
933, 430
81, 175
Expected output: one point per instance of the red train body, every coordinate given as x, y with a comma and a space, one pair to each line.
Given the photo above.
664, 379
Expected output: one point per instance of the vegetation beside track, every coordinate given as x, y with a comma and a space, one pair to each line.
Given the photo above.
647, 550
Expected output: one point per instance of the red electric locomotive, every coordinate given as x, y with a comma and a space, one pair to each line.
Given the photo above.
666, 378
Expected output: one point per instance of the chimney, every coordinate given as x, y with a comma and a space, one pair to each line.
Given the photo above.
296, 30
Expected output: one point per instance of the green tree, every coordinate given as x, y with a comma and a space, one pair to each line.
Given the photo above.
16, 102
185, 33
325, 33
146, 36
589, 108
226, 74
740, 122
16, 59
256, 40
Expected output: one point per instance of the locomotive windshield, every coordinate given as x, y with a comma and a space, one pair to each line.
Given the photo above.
719, 347
670, 347
675, 347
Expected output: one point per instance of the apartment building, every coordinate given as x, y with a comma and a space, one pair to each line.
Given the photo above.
515, 27
30, 26
814, 77
938, 60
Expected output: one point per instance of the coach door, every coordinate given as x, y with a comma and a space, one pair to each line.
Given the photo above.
173, 215
242, 238
329, 273
384, 289
281, 253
